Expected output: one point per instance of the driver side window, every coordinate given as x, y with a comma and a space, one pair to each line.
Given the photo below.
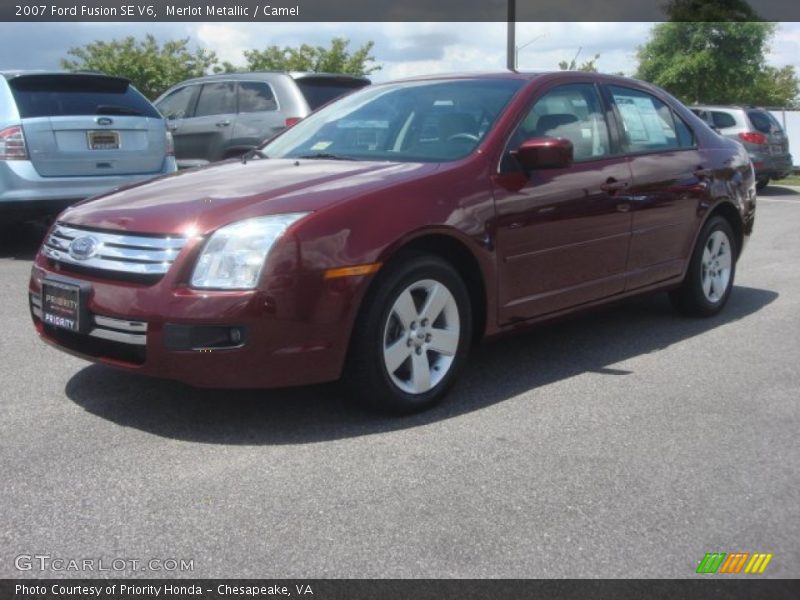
573, 112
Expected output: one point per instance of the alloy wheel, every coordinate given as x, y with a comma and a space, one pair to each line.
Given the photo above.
421, 336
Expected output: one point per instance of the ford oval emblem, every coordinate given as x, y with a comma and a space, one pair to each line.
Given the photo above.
105, 121
84, 247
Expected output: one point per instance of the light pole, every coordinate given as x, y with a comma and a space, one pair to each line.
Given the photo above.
511, 53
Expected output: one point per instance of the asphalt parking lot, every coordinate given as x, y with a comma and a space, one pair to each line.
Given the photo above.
627, 443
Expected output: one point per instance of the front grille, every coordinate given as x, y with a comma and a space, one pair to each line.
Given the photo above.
119, 339
104, 252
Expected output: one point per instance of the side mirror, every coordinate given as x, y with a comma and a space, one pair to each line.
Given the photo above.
544, 153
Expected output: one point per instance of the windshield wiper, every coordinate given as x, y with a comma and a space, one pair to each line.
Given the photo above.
326, 156
113, 109
253, 153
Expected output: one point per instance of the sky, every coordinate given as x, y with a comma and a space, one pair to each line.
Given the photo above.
403, 49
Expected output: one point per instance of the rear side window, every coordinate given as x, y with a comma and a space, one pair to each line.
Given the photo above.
78, 94
763, 121
216, 99
256, 96
648, 123
178, 104
318, 91
722, 120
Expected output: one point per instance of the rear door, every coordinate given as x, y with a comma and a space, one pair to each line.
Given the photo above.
83, 124
258, 118
670, 180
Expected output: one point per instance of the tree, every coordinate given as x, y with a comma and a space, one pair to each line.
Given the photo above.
710, 10
716, 62
336, 59
712, 51
151, 67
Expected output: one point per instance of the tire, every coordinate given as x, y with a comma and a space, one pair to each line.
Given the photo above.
403, 359
712, 268
762, 183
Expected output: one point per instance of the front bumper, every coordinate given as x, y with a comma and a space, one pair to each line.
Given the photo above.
294, 331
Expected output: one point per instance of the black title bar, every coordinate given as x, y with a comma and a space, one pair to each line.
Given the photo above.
705, 588
366, 10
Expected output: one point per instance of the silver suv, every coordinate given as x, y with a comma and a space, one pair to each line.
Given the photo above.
759, 132
67, 136
225, 115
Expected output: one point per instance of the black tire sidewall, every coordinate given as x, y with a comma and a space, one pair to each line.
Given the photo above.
375, 387
693, 292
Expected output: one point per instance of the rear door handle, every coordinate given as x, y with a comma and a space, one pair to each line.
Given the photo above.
224, 123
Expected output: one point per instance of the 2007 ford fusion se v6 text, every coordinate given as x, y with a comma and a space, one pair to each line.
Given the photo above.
379, 238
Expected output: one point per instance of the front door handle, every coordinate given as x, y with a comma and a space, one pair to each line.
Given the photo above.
702, 173
613, 185
224, 123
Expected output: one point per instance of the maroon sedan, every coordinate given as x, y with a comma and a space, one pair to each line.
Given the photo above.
376, 240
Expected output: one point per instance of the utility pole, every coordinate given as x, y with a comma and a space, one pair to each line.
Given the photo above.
511, 48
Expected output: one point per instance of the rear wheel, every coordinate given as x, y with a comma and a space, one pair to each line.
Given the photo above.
711, 271
411, 338
762, 183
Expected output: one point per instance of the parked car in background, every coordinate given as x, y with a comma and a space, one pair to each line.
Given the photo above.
67, 136
223, 116
759, 132
393, 227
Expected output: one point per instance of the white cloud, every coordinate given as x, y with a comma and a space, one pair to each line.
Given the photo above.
404, 49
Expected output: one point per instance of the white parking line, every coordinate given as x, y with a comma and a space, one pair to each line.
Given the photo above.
779, 200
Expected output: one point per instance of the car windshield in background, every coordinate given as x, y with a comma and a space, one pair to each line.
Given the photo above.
406, 122
318, 91
764, 122
78, 94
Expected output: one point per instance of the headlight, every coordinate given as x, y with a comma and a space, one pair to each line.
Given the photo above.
235, 254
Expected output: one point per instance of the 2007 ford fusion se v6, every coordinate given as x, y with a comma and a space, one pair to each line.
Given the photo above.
377, 239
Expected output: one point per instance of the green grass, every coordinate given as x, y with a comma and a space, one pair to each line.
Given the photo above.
791, 180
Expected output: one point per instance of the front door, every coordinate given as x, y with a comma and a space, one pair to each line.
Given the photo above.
562, 234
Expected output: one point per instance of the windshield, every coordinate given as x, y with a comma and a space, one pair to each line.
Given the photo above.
405, 122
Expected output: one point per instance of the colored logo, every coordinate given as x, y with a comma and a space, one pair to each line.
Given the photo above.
104, 120
737, 562
84, 247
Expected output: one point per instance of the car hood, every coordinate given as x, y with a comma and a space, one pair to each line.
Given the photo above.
199, 201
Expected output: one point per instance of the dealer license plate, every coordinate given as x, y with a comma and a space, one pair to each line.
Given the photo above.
103, 140
61, 305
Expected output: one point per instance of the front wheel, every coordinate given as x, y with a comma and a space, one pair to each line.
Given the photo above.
411, 338
709, 278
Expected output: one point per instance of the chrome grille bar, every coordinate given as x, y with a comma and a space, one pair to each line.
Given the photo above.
134, 254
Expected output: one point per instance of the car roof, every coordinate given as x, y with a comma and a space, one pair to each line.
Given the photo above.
272, 75
529, 74
12, 73
526, 76
727, 107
